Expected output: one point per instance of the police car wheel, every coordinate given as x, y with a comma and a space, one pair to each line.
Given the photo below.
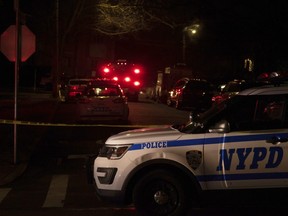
160, 192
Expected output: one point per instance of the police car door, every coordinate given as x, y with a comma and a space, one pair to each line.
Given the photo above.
253, 154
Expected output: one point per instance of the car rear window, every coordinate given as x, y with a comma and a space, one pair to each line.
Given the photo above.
78, 82
103, 91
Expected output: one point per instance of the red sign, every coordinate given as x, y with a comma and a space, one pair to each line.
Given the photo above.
8, 43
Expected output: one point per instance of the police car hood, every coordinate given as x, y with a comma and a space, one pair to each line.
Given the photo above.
164, 133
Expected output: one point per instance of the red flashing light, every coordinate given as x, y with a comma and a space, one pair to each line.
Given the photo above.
127, 79
106, 70
136, 70
115, 78
136, 83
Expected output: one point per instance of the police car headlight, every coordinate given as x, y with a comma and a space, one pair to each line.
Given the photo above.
113, 152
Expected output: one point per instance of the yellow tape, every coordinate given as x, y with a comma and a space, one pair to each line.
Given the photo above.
29, 123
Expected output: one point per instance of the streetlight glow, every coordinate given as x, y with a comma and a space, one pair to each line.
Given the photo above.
188, 31
193, 31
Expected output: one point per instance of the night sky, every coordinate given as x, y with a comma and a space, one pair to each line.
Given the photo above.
230, 32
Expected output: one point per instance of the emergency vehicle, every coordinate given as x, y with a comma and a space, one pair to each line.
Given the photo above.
128, 75
236, 147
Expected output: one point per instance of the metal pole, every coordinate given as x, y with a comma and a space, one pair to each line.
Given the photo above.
35, 80
16, 72
57, 48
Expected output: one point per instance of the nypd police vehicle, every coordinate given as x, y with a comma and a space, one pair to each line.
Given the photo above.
237, 146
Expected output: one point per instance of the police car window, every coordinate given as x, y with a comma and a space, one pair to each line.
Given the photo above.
245, 113
270, 112
202, 121
238, 112
240, 115
257, 113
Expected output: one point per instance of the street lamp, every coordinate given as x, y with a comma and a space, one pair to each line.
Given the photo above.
188, 31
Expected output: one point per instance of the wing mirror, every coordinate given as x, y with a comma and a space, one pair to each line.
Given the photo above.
222, 126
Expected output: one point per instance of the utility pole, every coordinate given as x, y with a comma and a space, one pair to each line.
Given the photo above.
16, 72
57, 48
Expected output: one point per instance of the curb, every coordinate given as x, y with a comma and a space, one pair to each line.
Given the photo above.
18, 170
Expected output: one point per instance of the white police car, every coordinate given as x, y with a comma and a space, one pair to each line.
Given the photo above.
242, 143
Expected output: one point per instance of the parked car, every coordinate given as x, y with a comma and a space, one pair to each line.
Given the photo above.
74, 89
228, 90
103, 99
191, 93
232, 88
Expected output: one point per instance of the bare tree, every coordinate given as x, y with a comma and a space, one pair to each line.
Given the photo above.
118, 17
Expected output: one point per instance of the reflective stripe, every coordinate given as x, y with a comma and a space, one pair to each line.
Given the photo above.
244, 176
215, 140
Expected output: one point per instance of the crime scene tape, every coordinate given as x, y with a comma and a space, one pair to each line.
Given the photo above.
31, 123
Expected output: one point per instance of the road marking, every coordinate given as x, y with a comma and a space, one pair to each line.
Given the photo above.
3, 193
57, 191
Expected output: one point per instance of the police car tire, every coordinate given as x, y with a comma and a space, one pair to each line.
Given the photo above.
176, 199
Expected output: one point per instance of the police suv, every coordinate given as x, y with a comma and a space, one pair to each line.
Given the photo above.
242, 143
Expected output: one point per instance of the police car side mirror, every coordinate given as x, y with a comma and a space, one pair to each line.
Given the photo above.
222, 126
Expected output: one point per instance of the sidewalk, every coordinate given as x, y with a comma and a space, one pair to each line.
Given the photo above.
9, 169
10, 172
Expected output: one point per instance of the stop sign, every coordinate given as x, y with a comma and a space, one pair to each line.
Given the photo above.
8, 43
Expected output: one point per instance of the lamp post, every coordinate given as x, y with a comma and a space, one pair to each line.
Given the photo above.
188, 31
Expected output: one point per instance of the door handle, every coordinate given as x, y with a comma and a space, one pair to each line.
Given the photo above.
275, 140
